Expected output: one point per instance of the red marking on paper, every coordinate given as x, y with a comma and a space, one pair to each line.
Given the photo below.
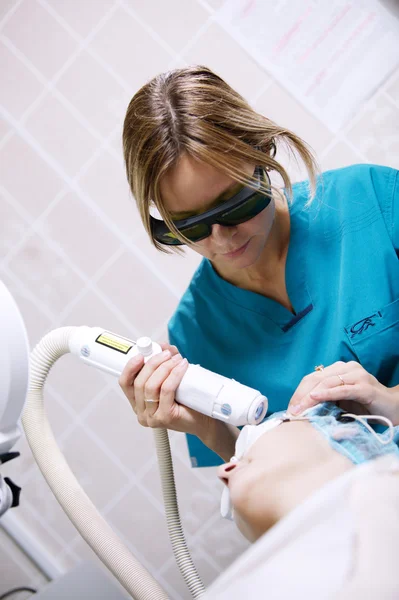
248, 8
282, 43
321, 75
325, 33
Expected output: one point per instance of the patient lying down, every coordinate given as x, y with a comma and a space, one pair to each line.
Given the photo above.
319, 494
280, 463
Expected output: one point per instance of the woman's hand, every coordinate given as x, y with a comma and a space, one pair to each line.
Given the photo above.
350, 385
151, 387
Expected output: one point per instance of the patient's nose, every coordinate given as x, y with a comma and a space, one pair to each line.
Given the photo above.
224, 471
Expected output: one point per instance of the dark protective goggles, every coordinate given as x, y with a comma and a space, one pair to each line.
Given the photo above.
243, 206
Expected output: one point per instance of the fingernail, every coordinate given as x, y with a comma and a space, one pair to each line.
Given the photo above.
316, 395
177, 358
296, 409
166, 354
183, 363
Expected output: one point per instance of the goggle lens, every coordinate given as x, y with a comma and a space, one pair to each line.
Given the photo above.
252, 207
194, 233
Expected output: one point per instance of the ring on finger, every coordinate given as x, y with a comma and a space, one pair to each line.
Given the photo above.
319, 368
342, 381
151, 401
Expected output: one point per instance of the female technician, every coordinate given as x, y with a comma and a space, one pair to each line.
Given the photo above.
290, 278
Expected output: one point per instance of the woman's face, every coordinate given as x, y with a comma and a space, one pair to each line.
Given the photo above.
192, 187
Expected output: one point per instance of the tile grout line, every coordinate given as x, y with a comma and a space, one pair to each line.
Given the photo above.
207, 6
73, 185
42, 308
50, 87
10, 13
391, 99
35, 223
157, 38
88, 284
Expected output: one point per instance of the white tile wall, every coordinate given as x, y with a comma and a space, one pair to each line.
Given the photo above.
73, 250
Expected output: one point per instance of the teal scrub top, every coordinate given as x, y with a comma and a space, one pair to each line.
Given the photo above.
342, 277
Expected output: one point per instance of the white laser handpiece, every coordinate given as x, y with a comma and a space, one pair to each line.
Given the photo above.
200, 389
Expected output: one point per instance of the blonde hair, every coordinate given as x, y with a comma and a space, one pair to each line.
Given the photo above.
192, 110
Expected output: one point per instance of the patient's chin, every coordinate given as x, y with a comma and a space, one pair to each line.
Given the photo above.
245, 528
252, 525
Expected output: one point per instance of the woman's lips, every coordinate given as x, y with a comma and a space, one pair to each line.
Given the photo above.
237, 252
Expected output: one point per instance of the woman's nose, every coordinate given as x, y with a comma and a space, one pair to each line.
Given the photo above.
221, 232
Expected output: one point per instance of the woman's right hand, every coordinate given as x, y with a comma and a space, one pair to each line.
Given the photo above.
151, 387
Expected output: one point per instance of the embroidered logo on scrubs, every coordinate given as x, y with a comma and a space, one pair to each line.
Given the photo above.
363, 324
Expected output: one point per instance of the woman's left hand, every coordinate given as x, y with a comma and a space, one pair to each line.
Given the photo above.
350, 385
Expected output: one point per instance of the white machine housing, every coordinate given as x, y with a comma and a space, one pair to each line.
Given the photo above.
14, 369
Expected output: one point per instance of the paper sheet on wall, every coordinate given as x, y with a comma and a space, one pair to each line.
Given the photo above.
331, 55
